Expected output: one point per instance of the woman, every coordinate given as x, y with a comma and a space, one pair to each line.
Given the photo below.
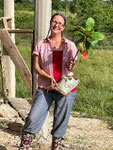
53, 58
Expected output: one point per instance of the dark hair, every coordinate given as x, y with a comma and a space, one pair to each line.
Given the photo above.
59, 14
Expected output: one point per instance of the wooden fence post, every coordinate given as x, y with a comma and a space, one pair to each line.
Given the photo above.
8, 64
42, 23
3, 76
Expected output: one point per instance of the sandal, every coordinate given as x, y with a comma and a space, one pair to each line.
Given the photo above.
56, 143
26, 140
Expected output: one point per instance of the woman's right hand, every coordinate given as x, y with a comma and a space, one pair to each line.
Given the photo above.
71, 65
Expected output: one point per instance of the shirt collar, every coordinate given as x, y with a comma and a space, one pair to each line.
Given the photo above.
64, 40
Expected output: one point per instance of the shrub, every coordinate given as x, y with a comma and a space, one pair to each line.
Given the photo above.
24, 19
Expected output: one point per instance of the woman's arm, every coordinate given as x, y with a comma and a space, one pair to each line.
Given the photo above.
41, 72
73, 57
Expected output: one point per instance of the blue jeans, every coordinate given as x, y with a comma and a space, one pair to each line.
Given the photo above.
40, 107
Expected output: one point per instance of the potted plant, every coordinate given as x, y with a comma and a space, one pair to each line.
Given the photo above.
89, 38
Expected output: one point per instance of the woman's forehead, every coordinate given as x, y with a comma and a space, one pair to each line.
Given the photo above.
58, 17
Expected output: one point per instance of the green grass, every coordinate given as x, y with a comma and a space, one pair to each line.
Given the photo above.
25, 50
21, 90
2, 122
95, 91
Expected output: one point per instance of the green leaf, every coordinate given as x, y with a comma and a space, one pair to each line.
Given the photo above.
78, 33
92, 41
79, 28
90, 23
97, 36
80, 46
87, 33
89, 37
94, 44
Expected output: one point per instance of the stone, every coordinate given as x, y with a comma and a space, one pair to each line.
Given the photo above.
22, 106
13, 126
3, 114
7, 111
1, 101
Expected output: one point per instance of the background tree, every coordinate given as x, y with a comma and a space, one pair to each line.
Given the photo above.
100, 10
56, 4
18, 1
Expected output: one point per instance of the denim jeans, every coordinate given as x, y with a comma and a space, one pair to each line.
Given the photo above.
40, 107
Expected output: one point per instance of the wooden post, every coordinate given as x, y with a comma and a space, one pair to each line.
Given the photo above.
4, 88
16, 57
42, 24
8, 64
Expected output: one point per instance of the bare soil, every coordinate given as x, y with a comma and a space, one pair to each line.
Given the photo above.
82, 133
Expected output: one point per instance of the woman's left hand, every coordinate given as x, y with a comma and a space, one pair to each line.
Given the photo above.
71, 65
53, 82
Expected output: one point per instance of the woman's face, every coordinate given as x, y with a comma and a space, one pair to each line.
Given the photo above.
57, 25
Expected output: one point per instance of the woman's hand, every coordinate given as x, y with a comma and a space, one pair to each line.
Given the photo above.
53, 82
71, 65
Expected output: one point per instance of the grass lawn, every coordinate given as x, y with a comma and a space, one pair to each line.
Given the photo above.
95, 91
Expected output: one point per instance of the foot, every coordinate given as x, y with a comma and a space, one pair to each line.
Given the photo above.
56, 143
26, 140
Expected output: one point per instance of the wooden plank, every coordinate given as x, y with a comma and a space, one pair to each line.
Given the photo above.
7, 18
5, 23
16, 58
20, 31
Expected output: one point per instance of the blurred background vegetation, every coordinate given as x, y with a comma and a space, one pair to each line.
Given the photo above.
95, 91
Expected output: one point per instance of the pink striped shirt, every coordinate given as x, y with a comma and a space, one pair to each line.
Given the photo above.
44, 51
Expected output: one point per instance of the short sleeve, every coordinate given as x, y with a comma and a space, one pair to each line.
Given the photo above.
37, 48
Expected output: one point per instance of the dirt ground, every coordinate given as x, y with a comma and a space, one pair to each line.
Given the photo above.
82, 133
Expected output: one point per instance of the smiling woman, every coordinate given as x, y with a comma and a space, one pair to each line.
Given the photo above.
54, 58
57, 26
